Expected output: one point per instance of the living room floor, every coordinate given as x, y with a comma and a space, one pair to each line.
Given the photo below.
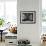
2, 43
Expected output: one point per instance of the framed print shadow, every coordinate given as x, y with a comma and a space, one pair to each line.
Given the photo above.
27, 17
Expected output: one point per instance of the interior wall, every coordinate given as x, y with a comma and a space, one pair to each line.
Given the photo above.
29, 31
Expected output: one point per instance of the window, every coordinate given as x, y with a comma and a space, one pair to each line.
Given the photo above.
1, 9
8, 10
44, 16
44, 11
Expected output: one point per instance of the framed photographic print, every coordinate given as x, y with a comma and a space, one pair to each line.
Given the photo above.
27, 17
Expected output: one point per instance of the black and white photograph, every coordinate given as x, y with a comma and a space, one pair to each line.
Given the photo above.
27, 17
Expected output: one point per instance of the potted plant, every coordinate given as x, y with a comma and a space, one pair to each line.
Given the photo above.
1, 22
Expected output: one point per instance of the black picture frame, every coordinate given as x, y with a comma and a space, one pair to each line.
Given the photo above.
27, 17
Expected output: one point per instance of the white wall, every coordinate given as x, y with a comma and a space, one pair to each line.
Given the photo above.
30, 31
